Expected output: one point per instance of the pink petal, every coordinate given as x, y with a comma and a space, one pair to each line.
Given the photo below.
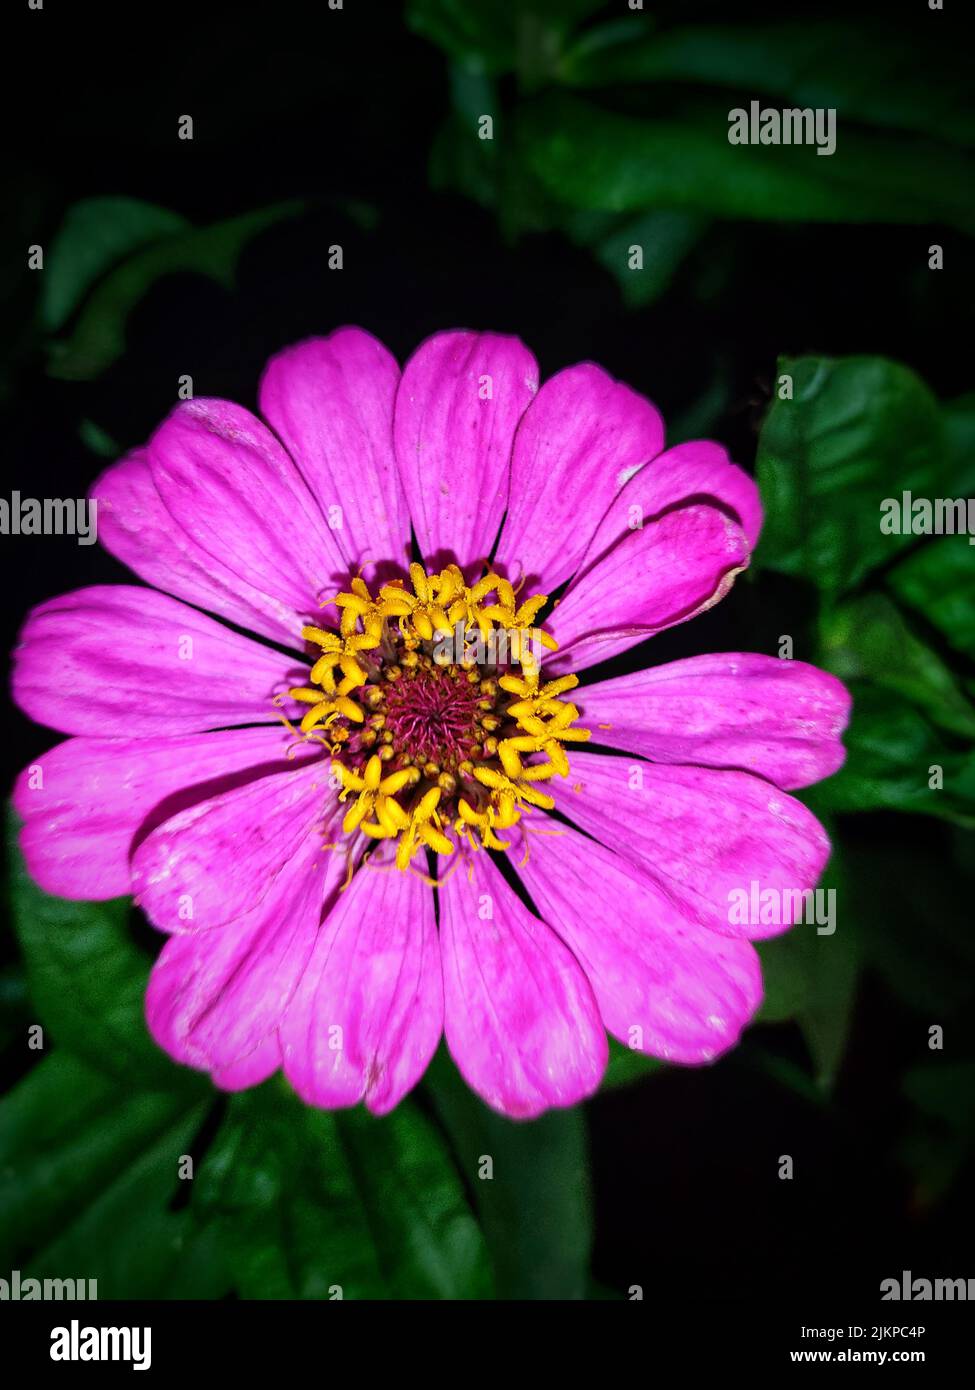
368, 1014
519, 1016
663, 984
453, 441
251, 1070
136, 527
120, 661
782, 719
330, 402
578, 442
695, 472
214, 861
84, 802
668, 572
225, 478
701, 833
215, 997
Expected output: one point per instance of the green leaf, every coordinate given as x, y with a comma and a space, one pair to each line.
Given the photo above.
870, 71
627, 1065
98, 441
461, 163
14, 1011
129, 1238
428, 1241
892, 756
309, 1203
811, 977
88, 1172
857, 430
98, 338
867, 637
482, 169
95, 234
664, 237
939, 581
87, 981
959, 419
535, 1207
593, 158
495, 36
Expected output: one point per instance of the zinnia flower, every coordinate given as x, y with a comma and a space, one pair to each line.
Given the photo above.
331, 817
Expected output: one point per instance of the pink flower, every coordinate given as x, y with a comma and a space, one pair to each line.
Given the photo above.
278, 805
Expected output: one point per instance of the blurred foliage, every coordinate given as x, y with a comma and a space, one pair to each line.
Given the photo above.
134, 244
849, 435
611, 132
938, 581
96, 235
307, 1203
852, 427
643, 159
841, 438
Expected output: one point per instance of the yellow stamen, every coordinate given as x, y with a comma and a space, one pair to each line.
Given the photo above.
517, 743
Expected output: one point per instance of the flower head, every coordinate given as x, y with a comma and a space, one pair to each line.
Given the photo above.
429, 563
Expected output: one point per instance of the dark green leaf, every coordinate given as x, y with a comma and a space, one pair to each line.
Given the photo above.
939, 581
664, 238
867, 637
893, 755
495, 36
95, 234
627, 1065
871, 71
310, 1204
959, 420
99, 335
100, 443
535, 1207
461, 163
858, 430
87, 980
14, 1009
593, 158
88, 1169
428, 1241
128, 1238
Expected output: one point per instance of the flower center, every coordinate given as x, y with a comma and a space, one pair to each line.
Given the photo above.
430, 702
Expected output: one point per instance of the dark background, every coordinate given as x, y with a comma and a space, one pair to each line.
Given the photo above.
342, 110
